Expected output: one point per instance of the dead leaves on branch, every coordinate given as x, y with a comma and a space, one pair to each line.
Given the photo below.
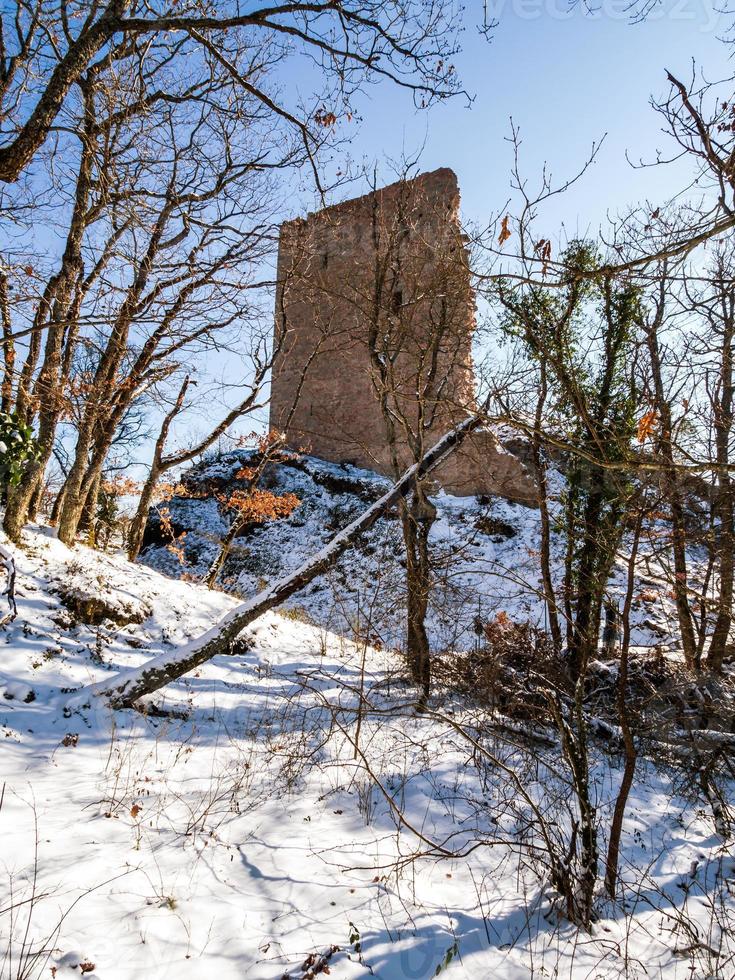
505, 231
542, 248
727, 124
250, 504
327, 119
257, 506
646, 426
120, 486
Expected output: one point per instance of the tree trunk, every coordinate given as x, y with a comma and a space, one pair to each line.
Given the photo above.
6, 389
721, 632
238, 523
138, 523
417, 517
57, 505
539, 468
35, 503
593, 567
631, 754
88, 516
127, 687
72, 501
723, 421
672, 492
16, 506
158, 466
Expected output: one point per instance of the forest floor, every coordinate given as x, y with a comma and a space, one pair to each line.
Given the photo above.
285, 812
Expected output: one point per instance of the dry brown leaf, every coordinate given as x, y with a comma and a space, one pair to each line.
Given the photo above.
646, 426
505, 231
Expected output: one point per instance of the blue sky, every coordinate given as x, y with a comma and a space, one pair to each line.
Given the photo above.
566, 76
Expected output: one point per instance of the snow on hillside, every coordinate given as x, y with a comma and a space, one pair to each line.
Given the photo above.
256, 824
484, 549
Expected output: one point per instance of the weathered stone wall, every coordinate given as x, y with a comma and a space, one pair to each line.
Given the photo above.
374, 320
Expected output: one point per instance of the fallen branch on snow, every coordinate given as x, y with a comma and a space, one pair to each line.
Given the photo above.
127, 687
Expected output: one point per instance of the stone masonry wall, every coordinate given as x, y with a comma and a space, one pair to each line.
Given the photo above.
374, 321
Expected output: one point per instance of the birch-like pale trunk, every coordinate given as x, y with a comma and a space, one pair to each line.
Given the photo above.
128, 686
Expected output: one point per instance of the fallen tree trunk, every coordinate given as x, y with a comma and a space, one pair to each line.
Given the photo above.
127, 687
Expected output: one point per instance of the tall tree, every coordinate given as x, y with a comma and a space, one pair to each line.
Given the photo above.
46, 47
583, 336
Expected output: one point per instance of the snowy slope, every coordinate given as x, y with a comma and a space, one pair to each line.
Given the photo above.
485, 552
241, 835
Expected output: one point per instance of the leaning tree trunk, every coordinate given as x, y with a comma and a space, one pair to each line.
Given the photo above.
127, 687
238, 523
158, 467
138, 523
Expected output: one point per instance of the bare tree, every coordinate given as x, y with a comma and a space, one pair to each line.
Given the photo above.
714, 302
672, 484
179, 121
411, 45
416, 303
584, 338
381, 282
125, 689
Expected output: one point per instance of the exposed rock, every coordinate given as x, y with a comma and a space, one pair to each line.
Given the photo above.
94, 610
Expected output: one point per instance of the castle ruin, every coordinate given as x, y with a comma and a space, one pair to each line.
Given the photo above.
375, 314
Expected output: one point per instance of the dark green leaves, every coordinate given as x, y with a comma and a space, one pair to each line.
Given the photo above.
18, 448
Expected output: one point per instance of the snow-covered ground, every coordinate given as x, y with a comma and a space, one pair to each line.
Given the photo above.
258, 825
485, 553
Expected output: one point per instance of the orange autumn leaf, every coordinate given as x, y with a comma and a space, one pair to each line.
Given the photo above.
646, 426
505, 231
324, 118
120, 486
135, 810
257, 506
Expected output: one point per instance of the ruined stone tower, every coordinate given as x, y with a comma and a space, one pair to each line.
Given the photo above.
374, 320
